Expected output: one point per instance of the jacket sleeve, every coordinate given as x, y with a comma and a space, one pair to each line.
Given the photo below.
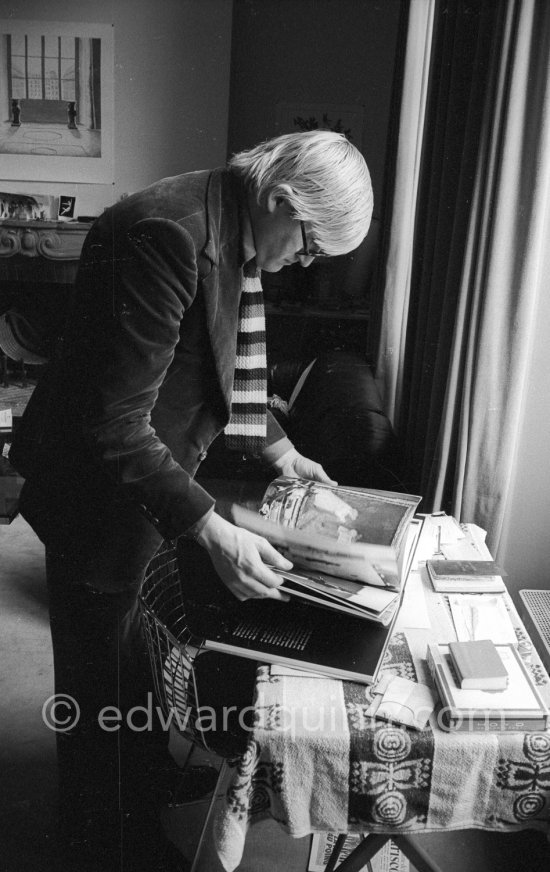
147, 282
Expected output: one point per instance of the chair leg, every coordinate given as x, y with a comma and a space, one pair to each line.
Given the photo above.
202, 836
4, 370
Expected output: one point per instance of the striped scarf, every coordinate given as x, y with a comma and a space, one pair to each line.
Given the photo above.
246, 430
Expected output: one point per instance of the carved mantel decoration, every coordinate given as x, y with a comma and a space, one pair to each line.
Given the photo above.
52, 240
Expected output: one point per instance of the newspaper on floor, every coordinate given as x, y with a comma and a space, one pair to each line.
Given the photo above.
388, 859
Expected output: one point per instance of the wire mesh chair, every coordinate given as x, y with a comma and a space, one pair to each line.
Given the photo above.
173, 651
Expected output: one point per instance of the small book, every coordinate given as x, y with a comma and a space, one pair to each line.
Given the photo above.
465, 576
478, 665
464, 568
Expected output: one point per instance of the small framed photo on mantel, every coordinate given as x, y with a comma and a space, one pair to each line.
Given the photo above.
66, 208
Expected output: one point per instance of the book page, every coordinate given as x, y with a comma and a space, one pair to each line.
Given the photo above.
375, 598
368, 564
345, 515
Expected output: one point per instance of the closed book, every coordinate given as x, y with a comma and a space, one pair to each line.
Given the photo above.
464, 568
478, 665
465, 576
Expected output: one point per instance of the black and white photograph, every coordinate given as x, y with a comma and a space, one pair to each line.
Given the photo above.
274, 435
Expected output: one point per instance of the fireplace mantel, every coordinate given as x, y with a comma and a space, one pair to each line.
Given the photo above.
40, 251
53, 240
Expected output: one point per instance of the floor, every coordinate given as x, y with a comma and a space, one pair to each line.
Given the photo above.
27, 754
49, 139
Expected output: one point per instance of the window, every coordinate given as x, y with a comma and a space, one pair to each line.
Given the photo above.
43, 67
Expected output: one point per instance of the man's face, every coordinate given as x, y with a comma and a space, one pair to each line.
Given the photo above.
277, 236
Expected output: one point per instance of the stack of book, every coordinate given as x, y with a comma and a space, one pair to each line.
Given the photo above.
465, 576
516, 706
351, 550
351, 547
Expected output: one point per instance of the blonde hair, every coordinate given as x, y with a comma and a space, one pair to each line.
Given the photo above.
329, 180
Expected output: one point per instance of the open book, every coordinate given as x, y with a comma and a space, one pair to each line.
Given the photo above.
351, 547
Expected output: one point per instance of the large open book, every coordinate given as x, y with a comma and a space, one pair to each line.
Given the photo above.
368, 534
351, 547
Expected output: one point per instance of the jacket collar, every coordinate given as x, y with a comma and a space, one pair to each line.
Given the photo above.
223, 253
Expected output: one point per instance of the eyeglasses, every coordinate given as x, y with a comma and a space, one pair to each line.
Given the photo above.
306, 251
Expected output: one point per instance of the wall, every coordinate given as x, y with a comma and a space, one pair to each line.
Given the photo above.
313, 51
172, 60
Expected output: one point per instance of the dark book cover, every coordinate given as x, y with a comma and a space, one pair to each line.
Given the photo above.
292, 633
442, 569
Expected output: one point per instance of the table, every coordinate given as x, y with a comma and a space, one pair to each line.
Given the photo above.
315, 761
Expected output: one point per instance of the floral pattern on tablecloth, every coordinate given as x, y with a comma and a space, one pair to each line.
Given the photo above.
523, 781
367, 775
390, 766
251, 791
398, 658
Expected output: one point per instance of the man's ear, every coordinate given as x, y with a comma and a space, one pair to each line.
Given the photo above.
279, 197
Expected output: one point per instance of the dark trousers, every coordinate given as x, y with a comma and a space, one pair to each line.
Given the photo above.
112, 760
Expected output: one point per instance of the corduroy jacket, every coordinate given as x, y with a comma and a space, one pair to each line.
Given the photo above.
141, 384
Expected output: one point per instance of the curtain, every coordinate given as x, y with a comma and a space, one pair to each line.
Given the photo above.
478, 243
398, 259
502, 277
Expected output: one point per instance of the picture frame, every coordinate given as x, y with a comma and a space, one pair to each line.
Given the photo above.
27, 207
57, 101
66, 208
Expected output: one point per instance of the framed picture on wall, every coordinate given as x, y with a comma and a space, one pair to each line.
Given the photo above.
293, 117
56, 99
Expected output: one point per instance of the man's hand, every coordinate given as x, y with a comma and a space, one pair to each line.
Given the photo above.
294, 465
240, 558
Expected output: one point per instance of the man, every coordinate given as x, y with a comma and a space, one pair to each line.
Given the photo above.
163, 350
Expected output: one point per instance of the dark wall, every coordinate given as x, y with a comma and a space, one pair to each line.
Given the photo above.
333, 52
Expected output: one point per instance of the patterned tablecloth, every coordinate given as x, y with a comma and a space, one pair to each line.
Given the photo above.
316, 762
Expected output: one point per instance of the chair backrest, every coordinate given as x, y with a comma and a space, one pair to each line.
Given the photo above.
13, 347
172, 647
